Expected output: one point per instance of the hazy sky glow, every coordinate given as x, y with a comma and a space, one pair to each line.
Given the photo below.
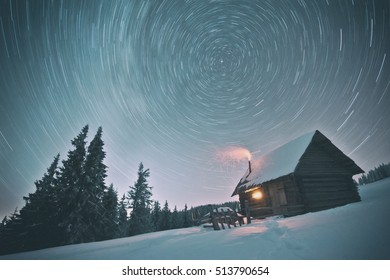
177, 84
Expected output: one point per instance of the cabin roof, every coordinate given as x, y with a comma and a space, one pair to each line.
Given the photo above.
284, 160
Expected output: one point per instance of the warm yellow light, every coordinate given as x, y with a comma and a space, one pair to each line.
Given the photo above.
257, 195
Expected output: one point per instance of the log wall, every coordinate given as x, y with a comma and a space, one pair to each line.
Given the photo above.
273, 203
324, 180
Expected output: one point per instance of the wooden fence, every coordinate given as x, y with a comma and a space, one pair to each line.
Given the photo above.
220, 218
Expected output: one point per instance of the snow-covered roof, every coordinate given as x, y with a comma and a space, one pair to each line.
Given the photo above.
279, 162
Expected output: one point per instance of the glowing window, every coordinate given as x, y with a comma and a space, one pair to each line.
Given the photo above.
257, 195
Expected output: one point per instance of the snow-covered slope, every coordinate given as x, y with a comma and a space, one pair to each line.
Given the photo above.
356, 231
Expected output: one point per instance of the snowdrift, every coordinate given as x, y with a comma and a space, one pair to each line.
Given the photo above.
355, 231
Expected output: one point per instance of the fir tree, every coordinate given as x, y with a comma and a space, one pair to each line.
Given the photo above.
139, 196
186, 218
3, 223
35, 225
165, 220
175, 222
10, 233
38, 216
72, 192
94, 188
123, 223
155, 215
110, 215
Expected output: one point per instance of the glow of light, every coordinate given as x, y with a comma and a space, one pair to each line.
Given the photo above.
257, 195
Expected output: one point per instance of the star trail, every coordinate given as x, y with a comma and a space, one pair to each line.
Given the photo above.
173, 83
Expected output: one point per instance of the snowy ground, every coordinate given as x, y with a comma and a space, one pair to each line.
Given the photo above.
355, 231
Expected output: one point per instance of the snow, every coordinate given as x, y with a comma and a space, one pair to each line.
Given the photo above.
224, 209
279, 162
355, 231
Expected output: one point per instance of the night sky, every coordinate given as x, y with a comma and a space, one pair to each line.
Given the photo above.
184, 85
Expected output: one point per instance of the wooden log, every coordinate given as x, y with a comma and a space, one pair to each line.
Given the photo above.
225, 218
208, 226
240, 219
213, 219
233, 218
219, 218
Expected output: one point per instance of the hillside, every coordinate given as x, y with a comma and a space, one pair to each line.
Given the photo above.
355, 231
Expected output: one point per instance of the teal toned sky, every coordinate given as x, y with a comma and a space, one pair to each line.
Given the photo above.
176, 83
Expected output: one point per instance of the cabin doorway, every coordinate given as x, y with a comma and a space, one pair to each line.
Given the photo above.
278, 199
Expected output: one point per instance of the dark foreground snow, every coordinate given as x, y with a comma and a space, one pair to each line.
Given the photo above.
355, 231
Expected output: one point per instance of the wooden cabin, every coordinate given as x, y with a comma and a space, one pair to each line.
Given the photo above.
307, 174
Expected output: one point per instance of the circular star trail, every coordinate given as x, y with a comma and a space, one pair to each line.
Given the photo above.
174, 83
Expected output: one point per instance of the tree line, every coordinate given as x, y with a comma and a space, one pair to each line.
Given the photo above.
72, 204
376, 174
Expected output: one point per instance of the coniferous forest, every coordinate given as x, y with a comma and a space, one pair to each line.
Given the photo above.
376, 174
73, 204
